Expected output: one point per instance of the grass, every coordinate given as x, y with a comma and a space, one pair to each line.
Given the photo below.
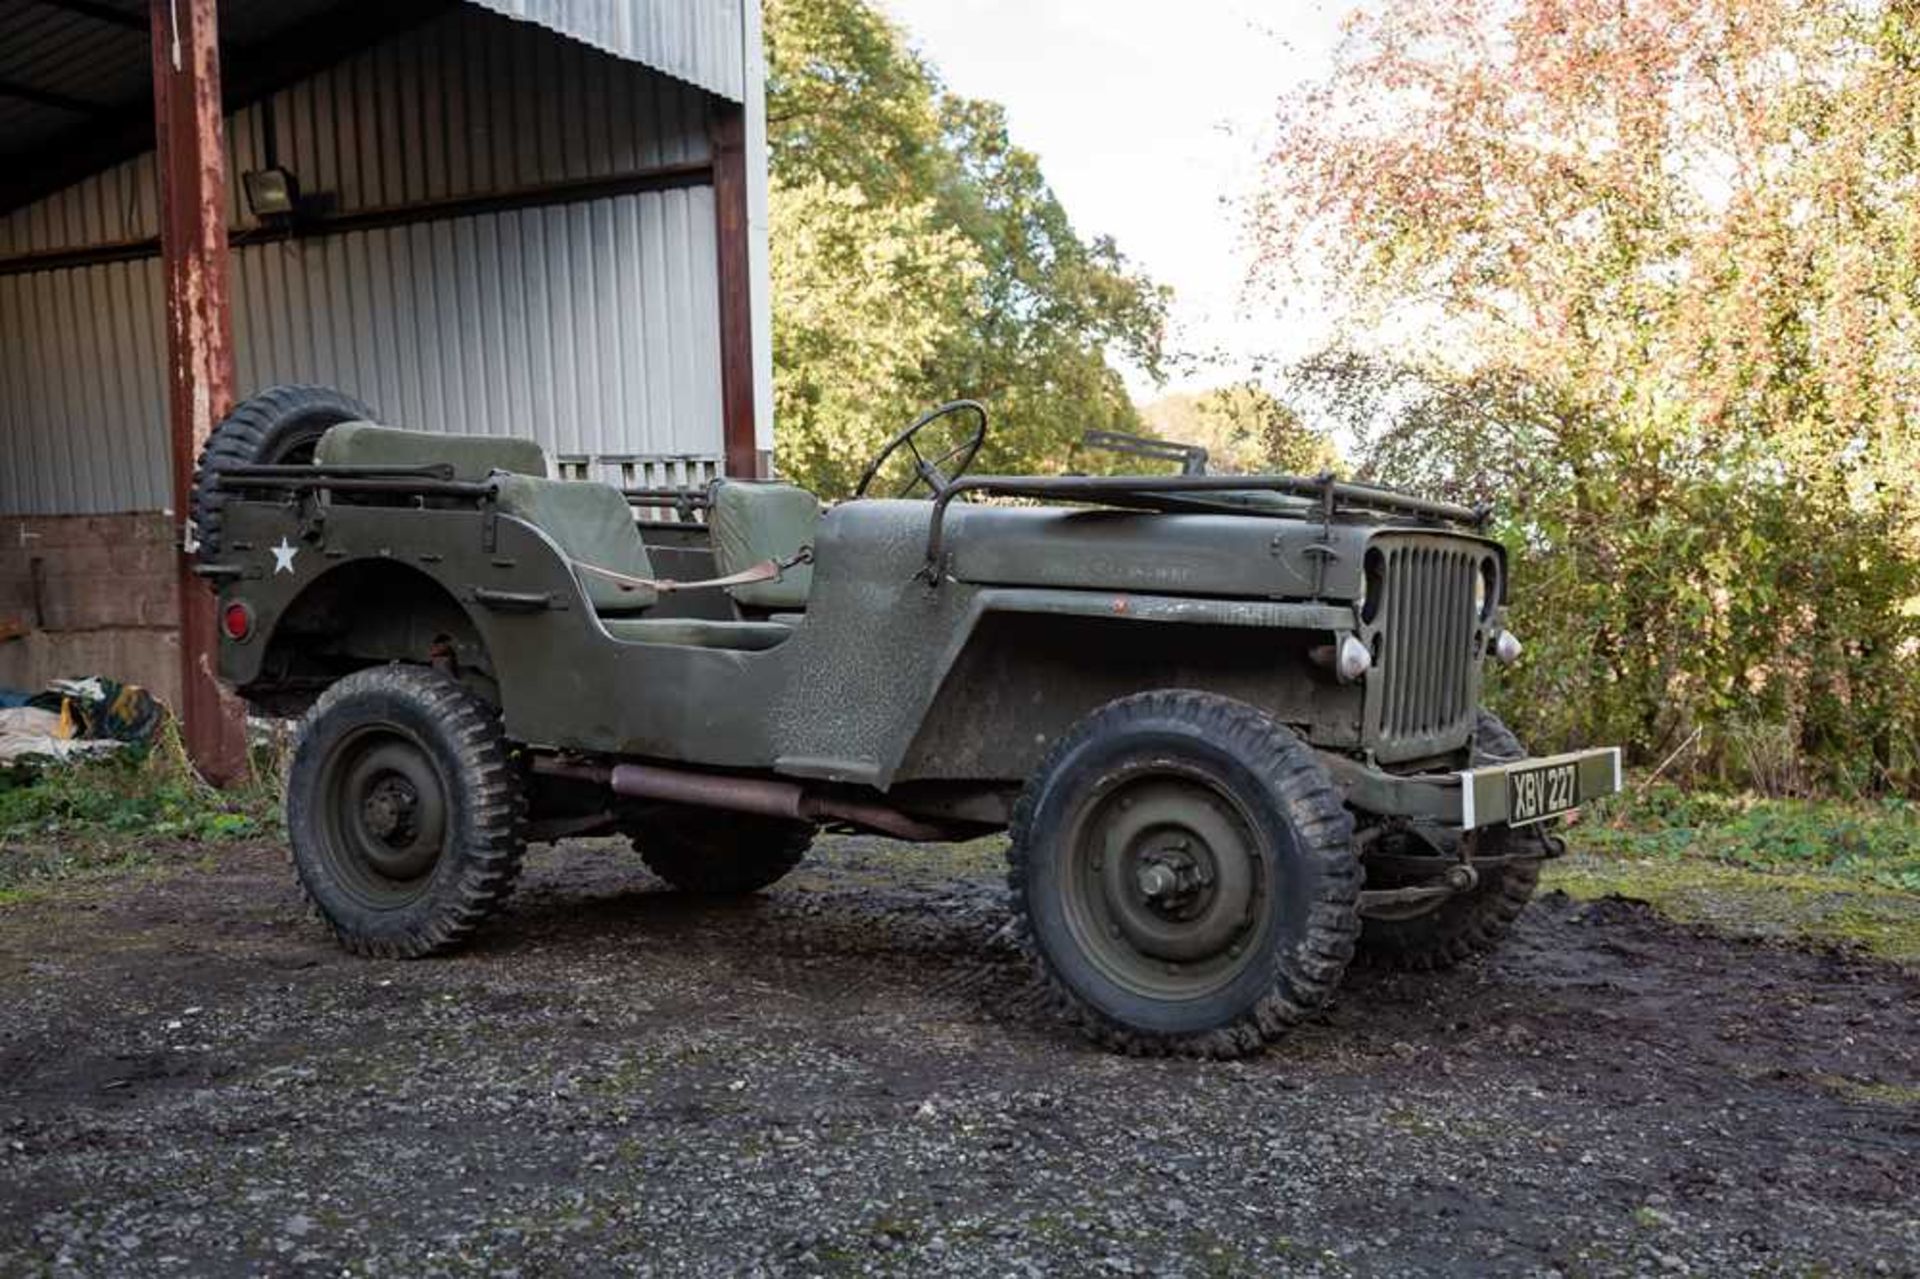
1864, 842
105, 817
1831, 870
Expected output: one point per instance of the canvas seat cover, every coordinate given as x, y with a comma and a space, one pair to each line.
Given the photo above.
591, 523
753, 522
473, 457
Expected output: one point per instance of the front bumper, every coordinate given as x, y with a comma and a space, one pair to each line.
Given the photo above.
1484, 796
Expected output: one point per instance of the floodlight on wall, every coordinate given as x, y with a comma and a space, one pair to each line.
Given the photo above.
271, 193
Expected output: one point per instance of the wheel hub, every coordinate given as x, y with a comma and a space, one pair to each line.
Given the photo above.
1168, 884
386, 815
1171, 877
389, 810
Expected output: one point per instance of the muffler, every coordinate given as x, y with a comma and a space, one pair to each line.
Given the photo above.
767, 797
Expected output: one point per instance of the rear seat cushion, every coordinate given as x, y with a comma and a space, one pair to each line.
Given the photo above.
473, 457
593, 524
698, 632
754, 522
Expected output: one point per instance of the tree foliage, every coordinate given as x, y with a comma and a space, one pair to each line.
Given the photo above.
1245, 428
1656, 268
919, 256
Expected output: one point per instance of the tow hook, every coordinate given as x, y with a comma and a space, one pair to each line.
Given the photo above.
1462, 877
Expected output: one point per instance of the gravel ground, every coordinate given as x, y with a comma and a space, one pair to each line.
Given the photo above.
852, 1073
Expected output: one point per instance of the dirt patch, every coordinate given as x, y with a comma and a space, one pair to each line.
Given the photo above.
852, 1072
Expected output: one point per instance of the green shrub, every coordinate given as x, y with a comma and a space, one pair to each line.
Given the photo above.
62, 819
1877, 841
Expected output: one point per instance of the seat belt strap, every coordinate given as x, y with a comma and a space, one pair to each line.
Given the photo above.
764, 571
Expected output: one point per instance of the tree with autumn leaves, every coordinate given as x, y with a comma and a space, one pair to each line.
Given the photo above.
1646, 273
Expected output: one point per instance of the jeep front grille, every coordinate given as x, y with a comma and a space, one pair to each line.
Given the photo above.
1426, 682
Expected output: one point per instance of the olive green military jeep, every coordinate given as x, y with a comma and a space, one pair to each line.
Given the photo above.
1233, 724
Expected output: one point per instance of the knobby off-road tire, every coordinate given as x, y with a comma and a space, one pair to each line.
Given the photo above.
1183, 876
405, 814
279, 426
721, 854
1471, 923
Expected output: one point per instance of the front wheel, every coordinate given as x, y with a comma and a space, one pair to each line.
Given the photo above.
405, 814
1183, 876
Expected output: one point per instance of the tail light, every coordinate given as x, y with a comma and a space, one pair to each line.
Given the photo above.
236, 621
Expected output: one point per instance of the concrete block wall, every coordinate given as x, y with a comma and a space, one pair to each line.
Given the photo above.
105, 602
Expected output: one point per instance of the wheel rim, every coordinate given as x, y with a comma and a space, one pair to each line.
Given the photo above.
383, 816
1163, 884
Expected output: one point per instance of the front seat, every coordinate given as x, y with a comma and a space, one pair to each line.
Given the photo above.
592, 524
754, 521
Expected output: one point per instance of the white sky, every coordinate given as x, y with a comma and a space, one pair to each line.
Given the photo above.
1148, 117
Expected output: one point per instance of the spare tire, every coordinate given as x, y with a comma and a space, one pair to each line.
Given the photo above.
279, 426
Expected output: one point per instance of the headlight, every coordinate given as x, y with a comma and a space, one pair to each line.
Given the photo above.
1352, 660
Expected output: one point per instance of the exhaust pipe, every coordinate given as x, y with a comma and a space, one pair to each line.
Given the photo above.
766, 797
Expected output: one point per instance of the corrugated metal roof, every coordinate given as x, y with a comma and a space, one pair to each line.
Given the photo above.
502, 95
94, 61
69, 54
699, 41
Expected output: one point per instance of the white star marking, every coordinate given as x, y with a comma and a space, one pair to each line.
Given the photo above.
283, 555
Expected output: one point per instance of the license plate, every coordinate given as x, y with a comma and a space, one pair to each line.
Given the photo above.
1535, 794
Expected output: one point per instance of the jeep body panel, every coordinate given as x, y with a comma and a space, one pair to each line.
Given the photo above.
880, 683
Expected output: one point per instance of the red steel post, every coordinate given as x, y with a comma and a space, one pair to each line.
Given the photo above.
190, 160
728, 132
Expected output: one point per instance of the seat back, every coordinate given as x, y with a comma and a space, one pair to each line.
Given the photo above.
474, 457
591, 523
751, 522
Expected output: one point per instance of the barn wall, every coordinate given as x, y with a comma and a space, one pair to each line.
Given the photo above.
592, 326
98, 596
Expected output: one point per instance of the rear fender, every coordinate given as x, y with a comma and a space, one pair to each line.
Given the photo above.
334, 594
356, 614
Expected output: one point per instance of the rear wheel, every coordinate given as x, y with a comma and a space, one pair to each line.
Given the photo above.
1183, 876
278, 427
720, 854
404, 813
1473, 922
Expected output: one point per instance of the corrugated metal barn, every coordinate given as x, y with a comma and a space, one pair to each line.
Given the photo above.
537, 217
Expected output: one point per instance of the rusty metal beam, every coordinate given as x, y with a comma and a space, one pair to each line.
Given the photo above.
190, 138
728, 130
310, 226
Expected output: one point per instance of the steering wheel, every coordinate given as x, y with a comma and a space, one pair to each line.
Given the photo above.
924, 471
